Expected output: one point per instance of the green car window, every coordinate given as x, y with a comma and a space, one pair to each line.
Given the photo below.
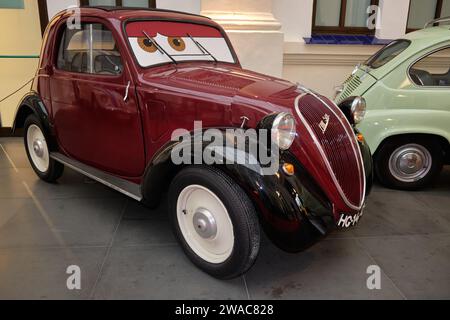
388, 53
433, 70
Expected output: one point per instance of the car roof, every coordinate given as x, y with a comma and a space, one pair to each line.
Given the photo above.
130, 13
429, 36
421, 40
145, 11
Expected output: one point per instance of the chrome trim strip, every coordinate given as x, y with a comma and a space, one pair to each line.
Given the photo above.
438, 20
100, 176
322, 152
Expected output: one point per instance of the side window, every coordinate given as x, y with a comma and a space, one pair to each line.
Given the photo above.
91, 49
432, 70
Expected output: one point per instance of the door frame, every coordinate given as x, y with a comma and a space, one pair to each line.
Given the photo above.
43, 14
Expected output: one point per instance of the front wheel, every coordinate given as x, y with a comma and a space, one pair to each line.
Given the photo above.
38, 152
214, 221
408, 163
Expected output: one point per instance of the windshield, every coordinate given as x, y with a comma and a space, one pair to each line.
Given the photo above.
157, 42
388, 53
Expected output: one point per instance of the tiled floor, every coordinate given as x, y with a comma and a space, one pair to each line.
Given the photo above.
126, 251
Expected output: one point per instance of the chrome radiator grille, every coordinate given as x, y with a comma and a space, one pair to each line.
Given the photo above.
336, 138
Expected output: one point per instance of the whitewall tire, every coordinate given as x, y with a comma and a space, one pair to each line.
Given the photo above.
38, 152
214, 221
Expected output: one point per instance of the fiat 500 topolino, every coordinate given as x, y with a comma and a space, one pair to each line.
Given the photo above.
110, 93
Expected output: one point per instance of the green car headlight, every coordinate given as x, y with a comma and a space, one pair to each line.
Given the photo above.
358, 109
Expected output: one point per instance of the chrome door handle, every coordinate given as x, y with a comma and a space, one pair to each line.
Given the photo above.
127, 90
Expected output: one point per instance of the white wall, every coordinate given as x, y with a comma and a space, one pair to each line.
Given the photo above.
295, 17
191, 6
394, 17
55, 6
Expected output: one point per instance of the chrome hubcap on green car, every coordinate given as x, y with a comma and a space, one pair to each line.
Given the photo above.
410, 163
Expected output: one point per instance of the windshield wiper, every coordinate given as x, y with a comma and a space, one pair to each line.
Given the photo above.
160, 49
202, 48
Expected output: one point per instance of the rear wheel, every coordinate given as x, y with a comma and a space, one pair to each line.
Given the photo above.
38, 152
409, 163
214, 221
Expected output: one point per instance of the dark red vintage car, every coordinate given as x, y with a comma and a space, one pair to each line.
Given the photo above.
113, 85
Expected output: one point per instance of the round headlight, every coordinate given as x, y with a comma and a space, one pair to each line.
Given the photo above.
283, 130
358, 109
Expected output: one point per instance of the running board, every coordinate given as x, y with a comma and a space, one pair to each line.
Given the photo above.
128, 188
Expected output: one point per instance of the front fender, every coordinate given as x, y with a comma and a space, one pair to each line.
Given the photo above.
368, 163
382, 124
293, 210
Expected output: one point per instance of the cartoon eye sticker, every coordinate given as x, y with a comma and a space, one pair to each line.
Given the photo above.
177, 43
147, 45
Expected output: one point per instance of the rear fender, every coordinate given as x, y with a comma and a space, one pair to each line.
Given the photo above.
31, 103
380, 125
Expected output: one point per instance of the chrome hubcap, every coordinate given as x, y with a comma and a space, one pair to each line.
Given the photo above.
410, 163
38, 148
205, 224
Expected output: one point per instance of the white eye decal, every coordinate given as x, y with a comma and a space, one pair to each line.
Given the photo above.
147, 45
177, 43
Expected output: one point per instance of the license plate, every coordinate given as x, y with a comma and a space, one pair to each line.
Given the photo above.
348, 221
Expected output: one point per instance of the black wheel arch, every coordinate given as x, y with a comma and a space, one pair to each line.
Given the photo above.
32, 103
294, 211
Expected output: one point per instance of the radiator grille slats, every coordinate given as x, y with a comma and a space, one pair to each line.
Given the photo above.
350, 86
337, 145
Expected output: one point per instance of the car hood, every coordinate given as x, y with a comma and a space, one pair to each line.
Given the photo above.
332, 157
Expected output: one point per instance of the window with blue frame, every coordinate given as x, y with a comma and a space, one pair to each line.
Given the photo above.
342, 17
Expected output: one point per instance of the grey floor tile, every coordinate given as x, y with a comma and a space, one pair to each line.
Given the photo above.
9, 208
41, 273
141, 226
393, 221
15, 148
144, 232
418, 265
4, 161
11, 185
70, 185
160, 273
77, 219
138, 211
69, 222
436, 201
332, 269
384, 199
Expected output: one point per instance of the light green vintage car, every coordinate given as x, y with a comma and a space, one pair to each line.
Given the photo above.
407, 89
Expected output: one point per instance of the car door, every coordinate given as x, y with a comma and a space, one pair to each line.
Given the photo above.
94, 106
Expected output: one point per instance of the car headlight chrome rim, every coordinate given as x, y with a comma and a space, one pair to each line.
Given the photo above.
358, 109
284, 131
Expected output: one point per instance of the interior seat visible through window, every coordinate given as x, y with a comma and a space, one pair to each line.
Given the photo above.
432, 70
91, 49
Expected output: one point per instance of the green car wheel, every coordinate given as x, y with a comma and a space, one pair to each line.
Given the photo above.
408, 163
